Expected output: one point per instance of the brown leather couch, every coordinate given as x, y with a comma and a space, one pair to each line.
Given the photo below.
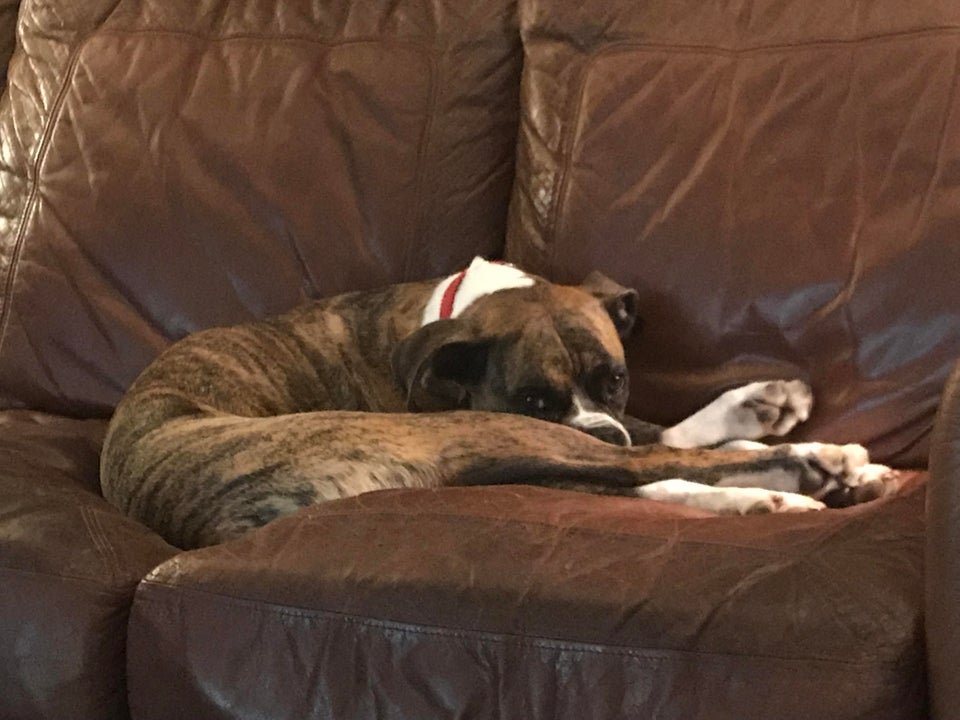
780, 181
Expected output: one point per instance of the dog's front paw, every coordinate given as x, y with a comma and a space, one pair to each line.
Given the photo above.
841, 462
756, 501
727, 500
868, 482
768, 408
846, 475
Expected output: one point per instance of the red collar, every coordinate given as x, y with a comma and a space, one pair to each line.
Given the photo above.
450, 294
446, 302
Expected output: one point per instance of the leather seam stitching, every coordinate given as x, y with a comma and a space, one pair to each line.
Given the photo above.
627, 45
258, 37
33, 171
572, 128
125, 588
417, 211
314, 615
571, 133
33, 176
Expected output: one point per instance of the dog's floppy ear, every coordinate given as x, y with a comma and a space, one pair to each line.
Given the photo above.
621, 303
438, 364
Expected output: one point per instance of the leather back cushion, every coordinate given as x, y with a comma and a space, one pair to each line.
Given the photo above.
175, 165
781, 182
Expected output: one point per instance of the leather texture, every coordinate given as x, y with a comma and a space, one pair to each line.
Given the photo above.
69, 564
534, 603
779, 180
942, 561
168, 166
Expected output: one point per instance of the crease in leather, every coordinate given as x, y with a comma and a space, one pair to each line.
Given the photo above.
528, 523
941, 141
97, 587
855, 364
629, 45
415, 218
574, 125
31, 206
100, 540
317, 615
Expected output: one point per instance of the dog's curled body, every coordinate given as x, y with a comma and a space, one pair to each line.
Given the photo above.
223, 432
233, 427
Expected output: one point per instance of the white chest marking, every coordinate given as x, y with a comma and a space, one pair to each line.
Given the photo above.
481, 278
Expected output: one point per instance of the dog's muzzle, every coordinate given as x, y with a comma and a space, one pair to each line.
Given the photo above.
609, 434
599, 424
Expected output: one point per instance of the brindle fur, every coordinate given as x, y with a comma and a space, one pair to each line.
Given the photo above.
233, 427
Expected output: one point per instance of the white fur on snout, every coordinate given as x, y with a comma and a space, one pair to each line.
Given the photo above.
585, 419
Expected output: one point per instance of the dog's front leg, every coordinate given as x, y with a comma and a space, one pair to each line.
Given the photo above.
750, 412
848, 475
836, 475
727, 500
724, 482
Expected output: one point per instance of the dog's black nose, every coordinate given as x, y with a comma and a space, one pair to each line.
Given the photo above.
609, 434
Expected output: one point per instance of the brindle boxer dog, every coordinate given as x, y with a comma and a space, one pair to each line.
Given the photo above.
488, 376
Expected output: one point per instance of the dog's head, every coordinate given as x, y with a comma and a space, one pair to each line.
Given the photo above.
550, 351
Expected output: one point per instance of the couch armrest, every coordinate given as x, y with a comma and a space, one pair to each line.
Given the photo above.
942, 560
69, 565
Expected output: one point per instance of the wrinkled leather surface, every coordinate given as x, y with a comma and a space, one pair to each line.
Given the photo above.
942, 561
532, 603
69, 563
781, 182
167, 166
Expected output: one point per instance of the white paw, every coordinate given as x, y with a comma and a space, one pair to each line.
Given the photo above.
847, 469
750, 412
754, 501
766, 408
874, 481
727, 500
838, 461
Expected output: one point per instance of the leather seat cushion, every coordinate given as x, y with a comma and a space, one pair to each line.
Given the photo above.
522, 602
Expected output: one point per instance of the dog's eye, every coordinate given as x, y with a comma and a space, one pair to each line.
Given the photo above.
540, 402
535, 402
615, 382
